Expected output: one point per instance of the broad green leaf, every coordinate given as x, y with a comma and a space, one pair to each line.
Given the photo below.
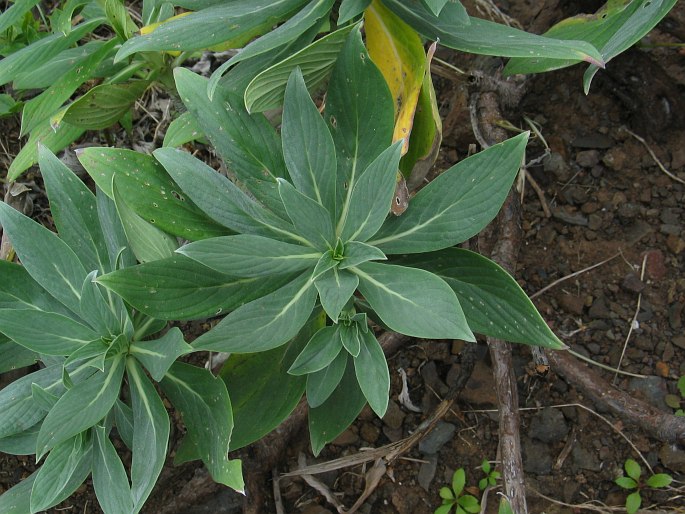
202, 400
81, 407
357, 253
95, 352
458, 481
148, 242
15, 12
312, 221
248, 144
150, 434
103, 105
332, 417
321, 384
23, 443
74, 212
14, 356
267, 89
335, 288
246, 255
372, 195
372, 373
659, 480
307, 145
119, 19
493, 302
351, 339
308, 17
59, 470
180, 288
17, 499
95, 310
326, 262
19, 291
221, 199
320, 351
485, 37
350, 9
211, 26
633, 469
412, 301
265, 323
109, 476
45, 332
145, 185
633, 502
45, 256
357, 93
469, 503
435, 5
43, 398
182, 130
456, 205
251, 380
158, 355
46, 104
7, 105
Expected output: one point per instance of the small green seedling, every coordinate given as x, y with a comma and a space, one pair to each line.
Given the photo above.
676, 402
455, 499
490, 478
632, 482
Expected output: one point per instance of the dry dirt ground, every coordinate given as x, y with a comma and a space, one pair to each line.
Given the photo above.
607, 203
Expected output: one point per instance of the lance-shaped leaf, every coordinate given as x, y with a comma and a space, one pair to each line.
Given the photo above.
307, 145
15, 356
372, 373
45, 256
81, 407
159, 354
351, 8
23, 443
150, 434
456, 205
321, 384
120, 254
357, 93
312, 221
202, 400
485, 37
265, 323
211, 26
372, 194
109, 476
266, 90
250, 256
17, 500
19, 291
62, 472
320, 351
147, 188
182, 130
180, 288
307, 18
412, 301
356, 253
493, 302
435, 5
97, 312
350, 336
45, 332
15, 12
335, 288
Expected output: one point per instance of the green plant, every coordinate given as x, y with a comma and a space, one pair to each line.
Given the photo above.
632, 482
454, 497
491, 476
95, 355
676, 401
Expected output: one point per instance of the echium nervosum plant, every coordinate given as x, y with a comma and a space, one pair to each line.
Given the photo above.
93, 356
314, 236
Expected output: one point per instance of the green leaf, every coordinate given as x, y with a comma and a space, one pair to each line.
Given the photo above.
311, 220
493, 302
246, 255
17, 499
104, 105
633, 502
681, 386
146, 186
435, 5
357, 253
74, 212
322, 348
289, 31
446, 493
123, 416
350, 9
23, 443
371, 197
267, 89
148, 242
633, 469
321, 384
119, 19
97, 312
120, 255
469, 503
65, 469
19, 291
109, 476
265, 323
150, 434
15, 12
220, 198
456, 205
484, 37
202, 400
182, 130
458, 481
444, 509
372, 373
659, 480
413, 302
335, 288
43, 398
180, 288
14, 356
159, 354
81, 407
45, 332
95, 352
332, 417
351, 339
45, 256
211, 26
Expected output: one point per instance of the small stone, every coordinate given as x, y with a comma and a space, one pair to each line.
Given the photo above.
587, 158
394, 416
615, 158
369, 432
555, 164
662, 369
675, 315
628, 211
679, 341
589, 207
673, 457
479, 390
572, 218
594, 221
437, 438
393, 434
572, 304
585, 459
675, 244
548, 426
536, 457
599, 309
595, 140
668, 353
347, 438
632, 283
427, 471
655, 266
